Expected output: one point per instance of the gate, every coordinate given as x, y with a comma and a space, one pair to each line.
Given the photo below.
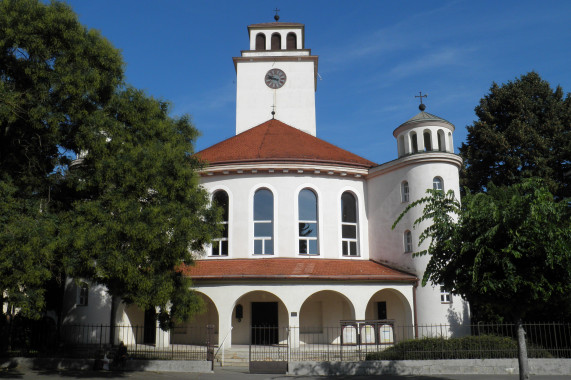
269, 350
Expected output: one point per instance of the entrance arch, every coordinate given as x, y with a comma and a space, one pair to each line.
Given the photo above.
396, 308
262, 309
320, 316
194, 331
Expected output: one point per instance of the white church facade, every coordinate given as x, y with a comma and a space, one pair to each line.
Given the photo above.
308, 242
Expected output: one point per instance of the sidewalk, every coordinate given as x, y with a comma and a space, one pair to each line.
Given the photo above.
230, 373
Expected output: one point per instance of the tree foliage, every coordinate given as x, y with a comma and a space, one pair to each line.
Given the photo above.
97, 180
523, 130
509, 248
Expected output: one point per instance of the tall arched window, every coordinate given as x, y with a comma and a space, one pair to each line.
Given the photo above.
291, 41
401, 146
276, 41
307, 223
407, 241
441, 146
220, 245
263, 222
414, 142
437, 184
427, 141
349, 225
260, 41
404, 191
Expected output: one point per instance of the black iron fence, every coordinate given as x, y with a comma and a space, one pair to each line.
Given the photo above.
350, 341
98, 341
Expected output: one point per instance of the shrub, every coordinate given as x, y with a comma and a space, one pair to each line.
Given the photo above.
469, 347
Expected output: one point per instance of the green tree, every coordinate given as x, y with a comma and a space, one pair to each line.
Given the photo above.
97, 180
508, 248
523, 130
54, 75
140, 212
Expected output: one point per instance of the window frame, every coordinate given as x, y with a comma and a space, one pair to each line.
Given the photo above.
346, 241
407, 240
307, 239
226, 224
82, 294
445, 296
405, 192
436, 180
255, 222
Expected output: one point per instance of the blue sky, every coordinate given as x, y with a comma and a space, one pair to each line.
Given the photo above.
374, 57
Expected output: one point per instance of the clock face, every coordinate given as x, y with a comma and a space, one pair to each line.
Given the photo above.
275, 78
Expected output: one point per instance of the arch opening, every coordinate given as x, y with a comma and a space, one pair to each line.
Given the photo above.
392, 307
260, 41
276, 42
320, 316
195, 331
263, 321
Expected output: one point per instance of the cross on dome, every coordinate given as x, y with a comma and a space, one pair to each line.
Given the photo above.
421, 107
276, 17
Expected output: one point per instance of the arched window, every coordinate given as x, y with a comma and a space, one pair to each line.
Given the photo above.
407, 241
276, 41
427, 141
404, 191
220, 245
437, 184
401, 146
260, 41
263, 222
291, 41
441, 145
83, 294
414, 142
307, 223
349, 225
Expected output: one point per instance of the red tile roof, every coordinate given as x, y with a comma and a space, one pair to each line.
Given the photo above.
294, 269
277, 141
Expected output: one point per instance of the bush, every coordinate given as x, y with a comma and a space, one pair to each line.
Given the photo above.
469, 347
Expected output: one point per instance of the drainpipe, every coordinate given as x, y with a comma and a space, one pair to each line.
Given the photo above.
414, 309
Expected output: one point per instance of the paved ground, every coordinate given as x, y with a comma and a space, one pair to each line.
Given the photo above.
231, 374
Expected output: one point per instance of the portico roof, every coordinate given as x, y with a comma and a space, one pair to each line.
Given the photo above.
294, 269
274, 140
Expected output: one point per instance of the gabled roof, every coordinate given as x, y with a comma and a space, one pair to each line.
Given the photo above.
294, 269
277, 141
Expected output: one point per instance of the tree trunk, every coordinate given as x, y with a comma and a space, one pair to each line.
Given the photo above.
522, 352
114, 301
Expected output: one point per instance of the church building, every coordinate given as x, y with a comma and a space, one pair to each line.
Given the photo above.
307, 240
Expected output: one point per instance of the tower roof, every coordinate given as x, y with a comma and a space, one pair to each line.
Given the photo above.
425, 116
277, 141
276, 24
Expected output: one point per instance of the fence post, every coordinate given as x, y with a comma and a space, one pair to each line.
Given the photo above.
209, 348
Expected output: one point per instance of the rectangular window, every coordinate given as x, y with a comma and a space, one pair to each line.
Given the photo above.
445, 296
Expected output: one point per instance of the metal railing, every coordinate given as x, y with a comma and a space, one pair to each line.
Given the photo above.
349, 341
94, 341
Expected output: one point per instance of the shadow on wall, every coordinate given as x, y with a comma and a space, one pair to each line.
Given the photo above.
459, 322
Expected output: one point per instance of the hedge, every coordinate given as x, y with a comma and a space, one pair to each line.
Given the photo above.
468, 347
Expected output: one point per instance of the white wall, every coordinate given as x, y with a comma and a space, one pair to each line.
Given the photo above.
387, 245
295, 101
286, 188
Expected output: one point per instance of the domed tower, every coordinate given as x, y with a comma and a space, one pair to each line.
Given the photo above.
426, 160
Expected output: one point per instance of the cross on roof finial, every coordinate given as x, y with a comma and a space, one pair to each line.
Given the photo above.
421, 107
276, 17
273, 112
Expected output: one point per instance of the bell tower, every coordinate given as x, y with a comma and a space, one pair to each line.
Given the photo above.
276, 78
